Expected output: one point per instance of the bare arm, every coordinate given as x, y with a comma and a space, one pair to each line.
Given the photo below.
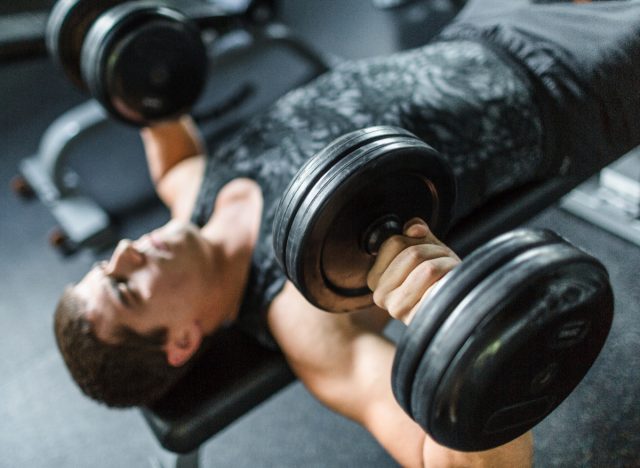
174, 152
344, 361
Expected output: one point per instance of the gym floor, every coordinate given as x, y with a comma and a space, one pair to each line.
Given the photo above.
46, 422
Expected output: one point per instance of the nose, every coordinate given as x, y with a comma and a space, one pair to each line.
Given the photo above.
125, 259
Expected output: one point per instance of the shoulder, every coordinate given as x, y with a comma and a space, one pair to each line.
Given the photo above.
241, 198
241, 189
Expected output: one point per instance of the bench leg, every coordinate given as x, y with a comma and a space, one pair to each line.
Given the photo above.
167, 460
188, 460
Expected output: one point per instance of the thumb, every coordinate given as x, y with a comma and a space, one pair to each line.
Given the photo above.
418, 228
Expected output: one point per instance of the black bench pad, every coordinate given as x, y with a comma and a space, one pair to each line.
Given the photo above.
233, 375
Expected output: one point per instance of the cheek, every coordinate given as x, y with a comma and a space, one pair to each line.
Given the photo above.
179, 276
183, 272
178, 297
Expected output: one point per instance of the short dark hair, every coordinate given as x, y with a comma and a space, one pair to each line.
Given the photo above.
133, 371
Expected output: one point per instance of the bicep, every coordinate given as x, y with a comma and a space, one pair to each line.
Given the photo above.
339, 357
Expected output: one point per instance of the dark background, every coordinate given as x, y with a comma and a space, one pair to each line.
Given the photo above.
46, 422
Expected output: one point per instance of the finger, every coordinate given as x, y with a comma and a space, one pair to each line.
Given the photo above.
402, 302
417, 227
415, 231
404, 263
389, 250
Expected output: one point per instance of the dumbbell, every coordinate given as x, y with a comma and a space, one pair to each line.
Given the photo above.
499, 342
142, 60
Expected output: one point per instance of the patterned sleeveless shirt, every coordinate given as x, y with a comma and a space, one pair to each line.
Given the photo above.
459, 96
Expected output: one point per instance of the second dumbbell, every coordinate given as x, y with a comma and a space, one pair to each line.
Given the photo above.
143, 61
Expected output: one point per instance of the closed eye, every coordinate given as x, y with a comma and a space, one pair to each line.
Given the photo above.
123, 292
120, 290
119, 287
129, 296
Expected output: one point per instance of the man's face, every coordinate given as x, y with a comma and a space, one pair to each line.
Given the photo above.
155, 281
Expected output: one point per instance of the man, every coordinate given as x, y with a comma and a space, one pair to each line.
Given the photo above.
505, 99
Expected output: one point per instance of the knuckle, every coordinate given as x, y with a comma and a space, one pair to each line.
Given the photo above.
371, 284
449, 253
396, 306
379, 298
454, 262
414, 254
442, 251
428, 270
390, 304
372, 279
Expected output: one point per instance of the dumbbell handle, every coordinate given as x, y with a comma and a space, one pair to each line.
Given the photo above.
379, 231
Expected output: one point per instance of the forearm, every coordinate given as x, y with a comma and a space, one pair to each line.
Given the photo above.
168, 143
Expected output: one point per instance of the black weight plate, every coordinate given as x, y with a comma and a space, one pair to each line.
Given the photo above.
514, 348
398, 175
67, 27
309, 174
446, 296
144, 62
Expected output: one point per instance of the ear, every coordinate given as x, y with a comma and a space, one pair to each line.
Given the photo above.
183, 344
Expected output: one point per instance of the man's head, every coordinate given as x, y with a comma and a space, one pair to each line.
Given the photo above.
128, 328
